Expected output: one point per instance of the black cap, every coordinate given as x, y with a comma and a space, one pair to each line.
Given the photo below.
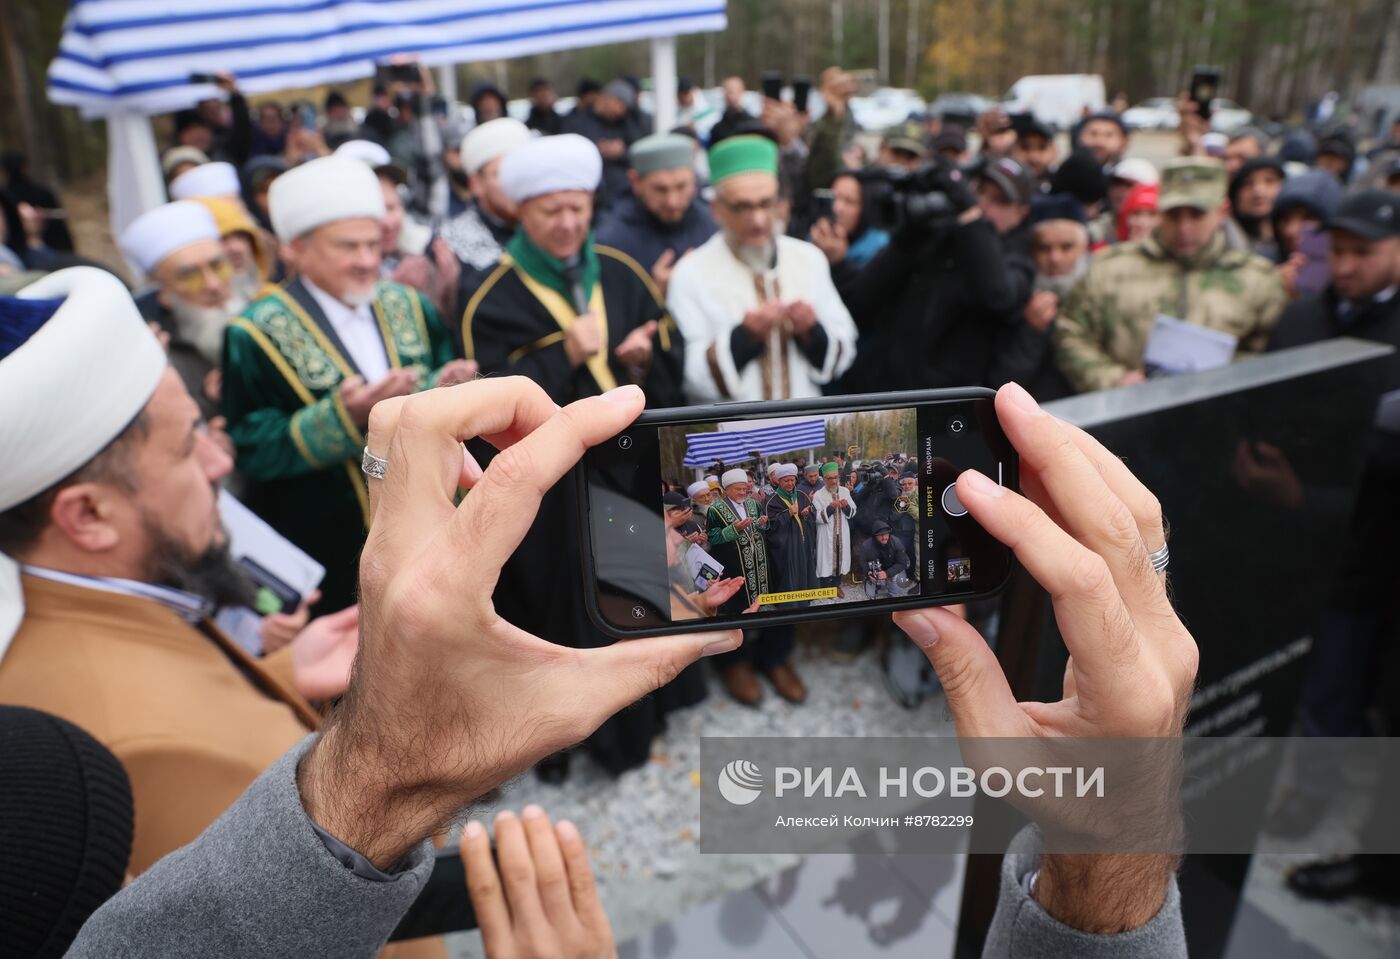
1010, 177
67, 817
1056, 206
1082, 177
588, 85
539, 82
335, 99
685, 85
907, 475
1370, 214
1338, 146
188, 118
1108, 115
1034, 126
674, 500
880, 527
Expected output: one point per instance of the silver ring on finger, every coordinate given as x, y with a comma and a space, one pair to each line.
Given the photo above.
1159, 559
373, 466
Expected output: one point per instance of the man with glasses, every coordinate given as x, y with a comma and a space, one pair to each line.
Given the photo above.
178, 248
759, 313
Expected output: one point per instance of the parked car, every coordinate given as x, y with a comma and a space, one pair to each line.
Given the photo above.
1057, 99
964, 107
886, 107
1155, 113
1227, 115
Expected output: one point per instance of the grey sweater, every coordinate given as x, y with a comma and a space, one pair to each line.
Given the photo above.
261, 882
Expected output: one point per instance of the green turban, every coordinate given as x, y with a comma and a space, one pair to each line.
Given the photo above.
830, 468
748, 153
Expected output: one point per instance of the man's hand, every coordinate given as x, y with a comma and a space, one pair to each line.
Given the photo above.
457, 371
583, 340
323, 652
359, 397
1191, 125
279, 629
1288, 272
612, 149
226, 81
1083, 529
661, 270
744, 523
1041, 309
448, 700
634, 352
830, 238
802, 317
761, 320
1132, 378
535, 898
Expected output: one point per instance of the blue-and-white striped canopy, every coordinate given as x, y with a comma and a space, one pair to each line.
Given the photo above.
736, 446
137, 55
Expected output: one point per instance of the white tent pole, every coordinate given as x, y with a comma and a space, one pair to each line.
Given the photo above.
134, 183
447, 82
664, 80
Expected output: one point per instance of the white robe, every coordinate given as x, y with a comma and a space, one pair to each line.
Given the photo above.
709, 293
832, 528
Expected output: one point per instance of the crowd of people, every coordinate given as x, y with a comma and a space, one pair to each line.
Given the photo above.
312, 272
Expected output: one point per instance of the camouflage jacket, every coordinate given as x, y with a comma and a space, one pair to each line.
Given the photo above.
1103, 323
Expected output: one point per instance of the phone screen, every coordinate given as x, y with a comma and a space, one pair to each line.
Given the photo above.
823, 205
876, 523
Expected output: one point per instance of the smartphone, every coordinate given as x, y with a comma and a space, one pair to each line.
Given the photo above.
823, 205
1205, 87
399, 72
203, 78
647, 570
801, 92
773, 84
1313, 276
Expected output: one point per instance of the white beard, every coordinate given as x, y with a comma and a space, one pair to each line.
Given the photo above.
357, 298
1061, 285
203, 327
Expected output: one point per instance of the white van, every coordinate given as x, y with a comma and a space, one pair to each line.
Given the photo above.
1058, 99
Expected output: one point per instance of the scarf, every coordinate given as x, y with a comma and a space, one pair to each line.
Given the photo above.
549, 270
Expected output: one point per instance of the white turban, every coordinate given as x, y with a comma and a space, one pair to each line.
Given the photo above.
83, 371
494, 138
207, 179
712, 479
696, 488
733, 476
323, 191
551, 165
366, 151
156, 234
784, 471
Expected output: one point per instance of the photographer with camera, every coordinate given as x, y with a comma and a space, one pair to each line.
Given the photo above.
884, 559
933, 300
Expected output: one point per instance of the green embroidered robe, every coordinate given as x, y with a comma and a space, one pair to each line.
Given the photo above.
742, 552
295, 441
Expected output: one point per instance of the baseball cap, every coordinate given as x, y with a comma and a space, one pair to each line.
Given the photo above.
1197, 182
908, 137
1034, 126
1136, 170
1370, 214
1010, 177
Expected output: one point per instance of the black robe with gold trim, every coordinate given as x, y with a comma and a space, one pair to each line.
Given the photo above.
513, 324
295, 441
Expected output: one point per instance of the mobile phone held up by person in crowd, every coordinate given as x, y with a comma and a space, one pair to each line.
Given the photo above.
773, 84
801, 92
1205, 87
823, 205
754, 514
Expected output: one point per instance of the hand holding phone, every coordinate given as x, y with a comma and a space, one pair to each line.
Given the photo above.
636, 583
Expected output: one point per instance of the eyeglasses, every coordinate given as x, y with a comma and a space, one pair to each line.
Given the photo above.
194, 278
749, 209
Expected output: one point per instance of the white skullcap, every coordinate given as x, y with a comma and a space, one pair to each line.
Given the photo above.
156, 234
1137, 170
733, 476
712, 479
95, 339
207, 179
323, 191
494, 138
786, 470
696, 488
366, 151
551, 165
773, 468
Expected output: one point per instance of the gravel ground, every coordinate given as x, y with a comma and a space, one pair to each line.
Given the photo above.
643, 828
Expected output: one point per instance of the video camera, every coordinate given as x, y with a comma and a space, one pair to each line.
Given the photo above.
919, 198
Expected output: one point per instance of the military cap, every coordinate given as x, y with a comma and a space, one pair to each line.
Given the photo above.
1197, 182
